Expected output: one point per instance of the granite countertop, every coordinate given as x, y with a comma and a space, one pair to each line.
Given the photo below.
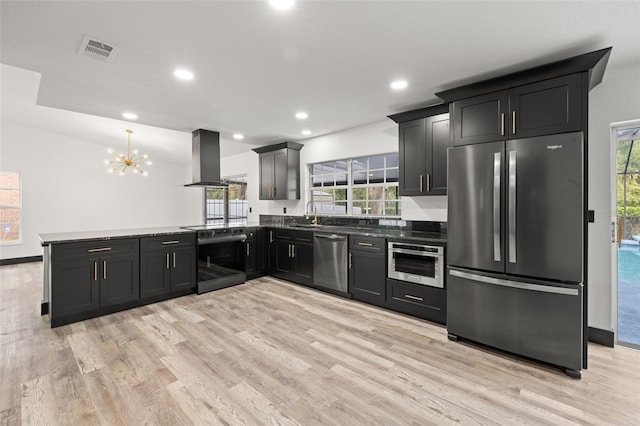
390, 233
67, 237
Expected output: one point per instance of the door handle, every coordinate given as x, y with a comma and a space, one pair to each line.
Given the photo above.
350, 260
95, 271
96, 250
104, 269
167, 260
247, 249
497, 168
408, 296
513, 122
428, 182
174, 260
289, 250
502, 124
420, 183
512, 206
293, 250
270, 236
365, 244
274, 192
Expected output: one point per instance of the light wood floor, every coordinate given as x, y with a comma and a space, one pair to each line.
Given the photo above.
270, 352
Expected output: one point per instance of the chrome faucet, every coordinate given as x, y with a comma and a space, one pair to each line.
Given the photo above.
315, 212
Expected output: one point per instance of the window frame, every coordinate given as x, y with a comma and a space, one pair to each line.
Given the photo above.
226, 220
19, 208
350, 185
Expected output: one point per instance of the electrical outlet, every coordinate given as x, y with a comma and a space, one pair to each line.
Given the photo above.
284, 210
250, 209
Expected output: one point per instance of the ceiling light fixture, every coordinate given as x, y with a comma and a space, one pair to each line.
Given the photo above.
122, 162
238, 136
129, 116
399, 85
183, 74
301, 115
282, 4
306, 132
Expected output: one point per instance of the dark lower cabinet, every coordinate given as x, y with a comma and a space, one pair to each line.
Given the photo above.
367, 269
292, 255
167, 265
422, 301
256, 252
92, 278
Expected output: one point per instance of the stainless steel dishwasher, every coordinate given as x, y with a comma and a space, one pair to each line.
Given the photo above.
330, 262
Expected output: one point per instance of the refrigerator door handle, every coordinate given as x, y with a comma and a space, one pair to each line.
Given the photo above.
515, 284
512, 206
497, 157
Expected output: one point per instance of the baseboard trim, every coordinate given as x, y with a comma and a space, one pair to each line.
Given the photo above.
18, 260
601, 337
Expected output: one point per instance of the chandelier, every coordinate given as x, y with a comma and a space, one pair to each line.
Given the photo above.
120, 163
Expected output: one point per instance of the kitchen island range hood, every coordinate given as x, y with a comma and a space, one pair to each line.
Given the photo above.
206, 159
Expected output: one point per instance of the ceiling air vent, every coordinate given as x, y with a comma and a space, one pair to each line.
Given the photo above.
97, 49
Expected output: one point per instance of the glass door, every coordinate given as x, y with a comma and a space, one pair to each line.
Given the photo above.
628, 227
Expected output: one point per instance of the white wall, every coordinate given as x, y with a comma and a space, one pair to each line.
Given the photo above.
65, 187
616, 99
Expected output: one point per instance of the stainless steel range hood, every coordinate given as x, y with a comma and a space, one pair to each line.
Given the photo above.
206, 159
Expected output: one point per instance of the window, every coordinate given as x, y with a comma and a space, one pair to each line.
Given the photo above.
10, 208
227, 205
363, 186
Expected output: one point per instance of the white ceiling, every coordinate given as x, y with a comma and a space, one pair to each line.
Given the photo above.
255, 66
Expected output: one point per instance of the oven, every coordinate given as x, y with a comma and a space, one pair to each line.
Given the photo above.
221, 257
417, 263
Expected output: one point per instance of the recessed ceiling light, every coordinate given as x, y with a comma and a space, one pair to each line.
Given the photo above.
301, 115
306, 132
129, 116
238, 136
282, 4
399, 85
183, 74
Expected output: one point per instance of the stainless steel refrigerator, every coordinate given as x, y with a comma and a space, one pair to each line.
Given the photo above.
516, 247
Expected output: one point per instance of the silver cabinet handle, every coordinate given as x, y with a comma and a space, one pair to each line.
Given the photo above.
428, 182
350, 260
365, 244
167, 243
104, 269
420, 183
247, 249
174, 260
274, 192
289, 250
513, 122
167, 260
408, 296
96, 250
512, 206
270, 236
517, 284
293, 250
497, 168
95, 271
502, 124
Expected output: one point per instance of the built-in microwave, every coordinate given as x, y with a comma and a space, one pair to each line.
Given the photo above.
416, 263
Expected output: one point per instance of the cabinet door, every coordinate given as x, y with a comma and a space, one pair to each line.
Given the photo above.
266, 175
280, 175
183, 268
437, 143
75, 287
481, 118
119, 280
367, 276
411, 141
303, 263
154, 273
251, 261
545, 108
261, 251
283, 264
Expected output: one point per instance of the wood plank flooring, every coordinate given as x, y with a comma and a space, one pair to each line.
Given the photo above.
271, 352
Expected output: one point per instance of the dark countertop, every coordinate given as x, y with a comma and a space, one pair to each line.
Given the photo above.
389, 233
67, 237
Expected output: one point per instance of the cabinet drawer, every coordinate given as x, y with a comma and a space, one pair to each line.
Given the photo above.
167, 241
422, 301
373, 244
283, 234
303, 236
86, 249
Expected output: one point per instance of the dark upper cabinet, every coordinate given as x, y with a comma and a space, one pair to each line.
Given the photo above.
423, 144
279, 171
480, 119
367, 269
167, 265
542, 108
